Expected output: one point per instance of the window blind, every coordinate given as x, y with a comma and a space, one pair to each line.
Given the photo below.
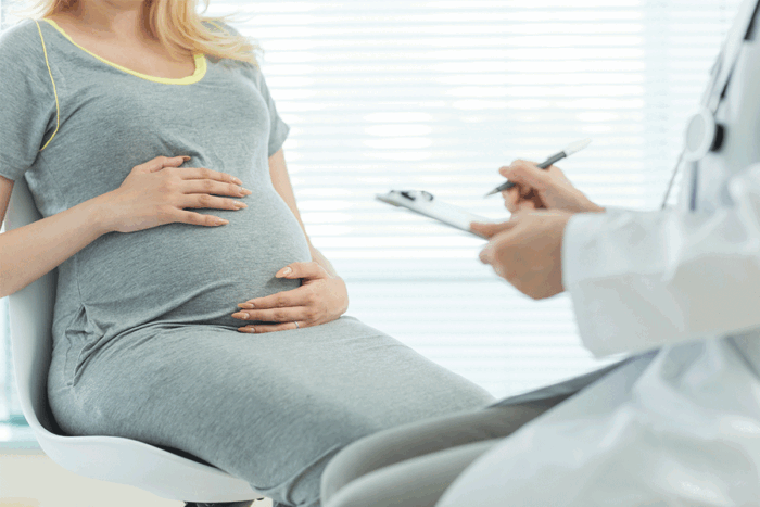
436, 95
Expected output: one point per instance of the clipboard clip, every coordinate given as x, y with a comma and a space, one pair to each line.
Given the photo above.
415, 195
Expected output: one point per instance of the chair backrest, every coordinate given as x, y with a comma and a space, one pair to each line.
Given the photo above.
99, 457
32, 310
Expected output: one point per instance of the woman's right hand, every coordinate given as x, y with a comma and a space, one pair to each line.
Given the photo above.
543, 189
156, 192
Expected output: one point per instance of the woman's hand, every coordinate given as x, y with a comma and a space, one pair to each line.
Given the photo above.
156, 192
543, 189
320, 299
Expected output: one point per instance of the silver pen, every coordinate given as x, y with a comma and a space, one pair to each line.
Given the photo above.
571, 148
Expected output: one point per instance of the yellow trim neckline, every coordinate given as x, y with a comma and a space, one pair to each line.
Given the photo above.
200, 64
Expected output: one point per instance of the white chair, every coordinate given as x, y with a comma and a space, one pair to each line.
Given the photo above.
112, 459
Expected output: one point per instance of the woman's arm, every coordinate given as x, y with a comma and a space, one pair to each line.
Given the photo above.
154, 194
27, 253
278, 172
322, 296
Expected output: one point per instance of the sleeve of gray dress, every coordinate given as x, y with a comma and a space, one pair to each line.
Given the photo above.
28, 110
278, 129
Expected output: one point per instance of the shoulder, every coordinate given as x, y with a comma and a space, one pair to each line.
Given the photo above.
249, 70
20, 40
221, 27
22, 57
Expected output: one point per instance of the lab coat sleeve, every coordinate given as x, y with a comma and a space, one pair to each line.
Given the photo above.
639, 280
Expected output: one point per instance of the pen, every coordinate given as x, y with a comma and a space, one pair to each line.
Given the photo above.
571, 148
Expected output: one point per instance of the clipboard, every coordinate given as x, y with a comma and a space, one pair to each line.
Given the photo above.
424, 203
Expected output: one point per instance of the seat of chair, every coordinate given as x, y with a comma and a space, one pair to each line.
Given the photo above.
147, 467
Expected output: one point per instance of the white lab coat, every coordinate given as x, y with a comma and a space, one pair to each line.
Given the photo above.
679, 426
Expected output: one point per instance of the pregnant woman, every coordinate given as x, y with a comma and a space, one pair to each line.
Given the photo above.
183, 317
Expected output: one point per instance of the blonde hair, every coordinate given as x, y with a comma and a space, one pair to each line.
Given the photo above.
178, 26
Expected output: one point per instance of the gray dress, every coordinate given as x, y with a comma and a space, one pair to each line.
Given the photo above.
144, 344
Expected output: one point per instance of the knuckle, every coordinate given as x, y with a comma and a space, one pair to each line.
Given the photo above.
164, 212
208, 185
204, 199
168, 185
207, 173
312, 314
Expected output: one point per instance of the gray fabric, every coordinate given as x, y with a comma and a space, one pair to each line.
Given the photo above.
418, 482
144, 345
412, 465
566, 388
270, 408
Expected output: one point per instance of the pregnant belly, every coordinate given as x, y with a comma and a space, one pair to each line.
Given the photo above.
181, 273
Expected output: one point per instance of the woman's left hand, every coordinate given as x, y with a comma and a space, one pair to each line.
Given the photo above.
320, 299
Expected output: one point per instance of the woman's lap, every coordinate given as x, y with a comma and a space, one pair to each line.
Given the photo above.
269, 408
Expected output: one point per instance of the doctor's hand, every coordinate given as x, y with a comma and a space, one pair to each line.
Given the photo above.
543, 189
526, 251
320, 299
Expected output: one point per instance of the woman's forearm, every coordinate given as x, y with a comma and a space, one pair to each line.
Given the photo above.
30, 252
320, 259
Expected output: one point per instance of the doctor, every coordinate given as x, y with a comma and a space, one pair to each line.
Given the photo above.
677, 423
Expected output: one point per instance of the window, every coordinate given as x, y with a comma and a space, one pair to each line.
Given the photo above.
436, 95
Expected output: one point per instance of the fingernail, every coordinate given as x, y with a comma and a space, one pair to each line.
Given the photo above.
247, 192
240, 204
286, 271
185, 158
237, 181
247, 306
243, 316
221, 221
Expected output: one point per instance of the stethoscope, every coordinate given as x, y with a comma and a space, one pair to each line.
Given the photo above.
703, 132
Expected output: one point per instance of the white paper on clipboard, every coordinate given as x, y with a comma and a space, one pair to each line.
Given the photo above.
424, 203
